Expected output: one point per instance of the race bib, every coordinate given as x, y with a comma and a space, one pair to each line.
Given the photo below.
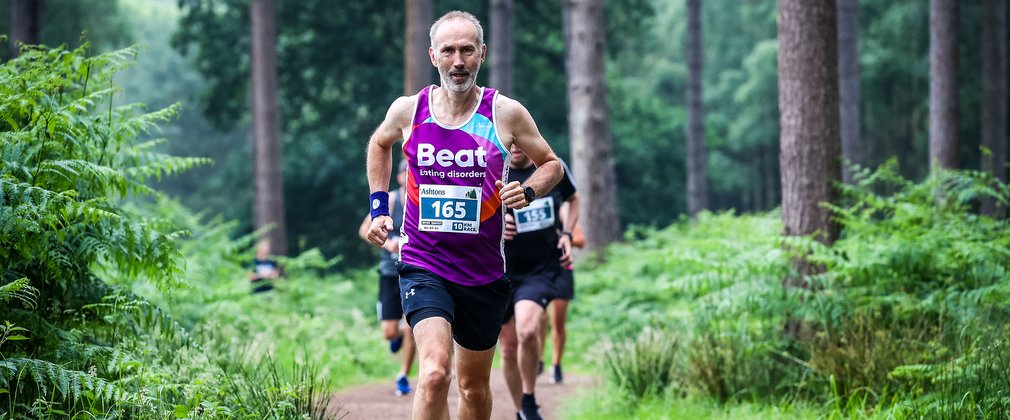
536, 216
449, 208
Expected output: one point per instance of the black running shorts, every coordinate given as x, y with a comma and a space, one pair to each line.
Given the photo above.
537, 286
565, 284
388, 305
475, 312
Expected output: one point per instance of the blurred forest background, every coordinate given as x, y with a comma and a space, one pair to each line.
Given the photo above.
747, 272
340, 66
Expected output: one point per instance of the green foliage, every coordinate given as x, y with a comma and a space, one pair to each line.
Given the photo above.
908, 319
84, 345
67, 22
309, 319
643, 366
68, 156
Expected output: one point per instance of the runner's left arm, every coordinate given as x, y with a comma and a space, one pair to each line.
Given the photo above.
524, 133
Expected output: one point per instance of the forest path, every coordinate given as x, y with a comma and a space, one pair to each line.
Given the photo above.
378, 401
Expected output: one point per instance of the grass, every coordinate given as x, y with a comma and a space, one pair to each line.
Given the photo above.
604, 405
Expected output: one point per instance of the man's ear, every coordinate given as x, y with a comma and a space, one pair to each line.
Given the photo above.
431, 55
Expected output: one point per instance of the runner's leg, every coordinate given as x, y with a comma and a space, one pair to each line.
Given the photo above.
543, 340
433, 337
509, 345
527, 319
390, 329
473, 369
559, 316
408, 349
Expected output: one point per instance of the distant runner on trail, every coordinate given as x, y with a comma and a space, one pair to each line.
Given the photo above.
558, 309
388, 306
265, 269
452, 263
537, 250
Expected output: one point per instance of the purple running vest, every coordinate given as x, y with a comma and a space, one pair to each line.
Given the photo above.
452, 222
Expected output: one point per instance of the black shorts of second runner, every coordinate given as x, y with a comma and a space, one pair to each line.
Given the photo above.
475, 312
565, 284
537, 286
388, 305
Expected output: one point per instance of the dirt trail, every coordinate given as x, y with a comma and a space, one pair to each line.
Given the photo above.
377, 401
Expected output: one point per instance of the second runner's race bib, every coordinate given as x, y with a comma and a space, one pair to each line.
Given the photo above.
538, 215
449, 208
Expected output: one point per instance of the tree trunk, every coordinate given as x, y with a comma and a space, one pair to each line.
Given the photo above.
994, 96
589, 124
26, 23
697, 186
943, 17
268, 207
848, 83
566, 31
502, 62
808, 105
417, 67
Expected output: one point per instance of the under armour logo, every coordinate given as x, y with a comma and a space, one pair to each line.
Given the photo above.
409, 294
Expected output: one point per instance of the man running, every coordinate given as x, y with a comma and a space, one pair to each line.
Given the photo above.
452, 264
537, 252
558, 310
388, 306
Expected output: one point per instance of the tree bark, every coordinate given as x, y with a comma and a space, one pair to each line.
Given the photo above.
697, 186
566, 31
501, 43
417, 68
808, 106
994, 96
589, 124
26, 23
848, 83
943, 103
268, 206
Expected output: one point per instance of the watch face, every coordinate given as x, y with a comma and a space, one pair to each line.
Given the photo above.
529, 194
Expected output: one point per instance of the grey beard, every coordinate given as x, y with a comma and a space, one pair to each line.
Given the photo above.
461, 87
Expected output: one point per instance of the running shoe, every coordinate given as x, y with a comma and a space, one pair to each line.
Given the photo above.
557, 377
402, 385
395, 344
529, 413
530, 410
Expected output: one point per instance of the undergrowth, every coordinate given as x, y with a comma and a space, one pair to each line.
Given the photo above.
908, 318
116, 302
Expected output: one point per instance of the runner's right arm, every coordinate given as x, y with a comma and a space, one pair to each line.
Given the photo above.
379, 159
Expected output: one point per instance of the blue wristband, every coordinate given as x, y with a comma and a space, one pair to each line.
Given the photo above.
378, 203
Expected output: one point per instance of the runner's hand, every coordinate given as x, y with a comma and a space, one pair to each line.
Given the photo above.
379, 230
392, 245
510, 227
565, 245
511, 194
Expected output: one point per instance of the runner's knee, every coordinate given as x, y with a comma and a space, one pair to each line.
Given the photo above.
389, 330
436, 376
508, 349
472, 389
527, 333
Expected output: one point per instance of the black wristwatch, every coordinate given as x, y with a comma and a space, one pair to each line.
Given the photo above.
529, 194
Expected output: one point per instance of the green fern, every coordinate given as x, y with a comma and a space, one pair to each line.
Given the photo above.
68, 159
20, 290
65, 384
